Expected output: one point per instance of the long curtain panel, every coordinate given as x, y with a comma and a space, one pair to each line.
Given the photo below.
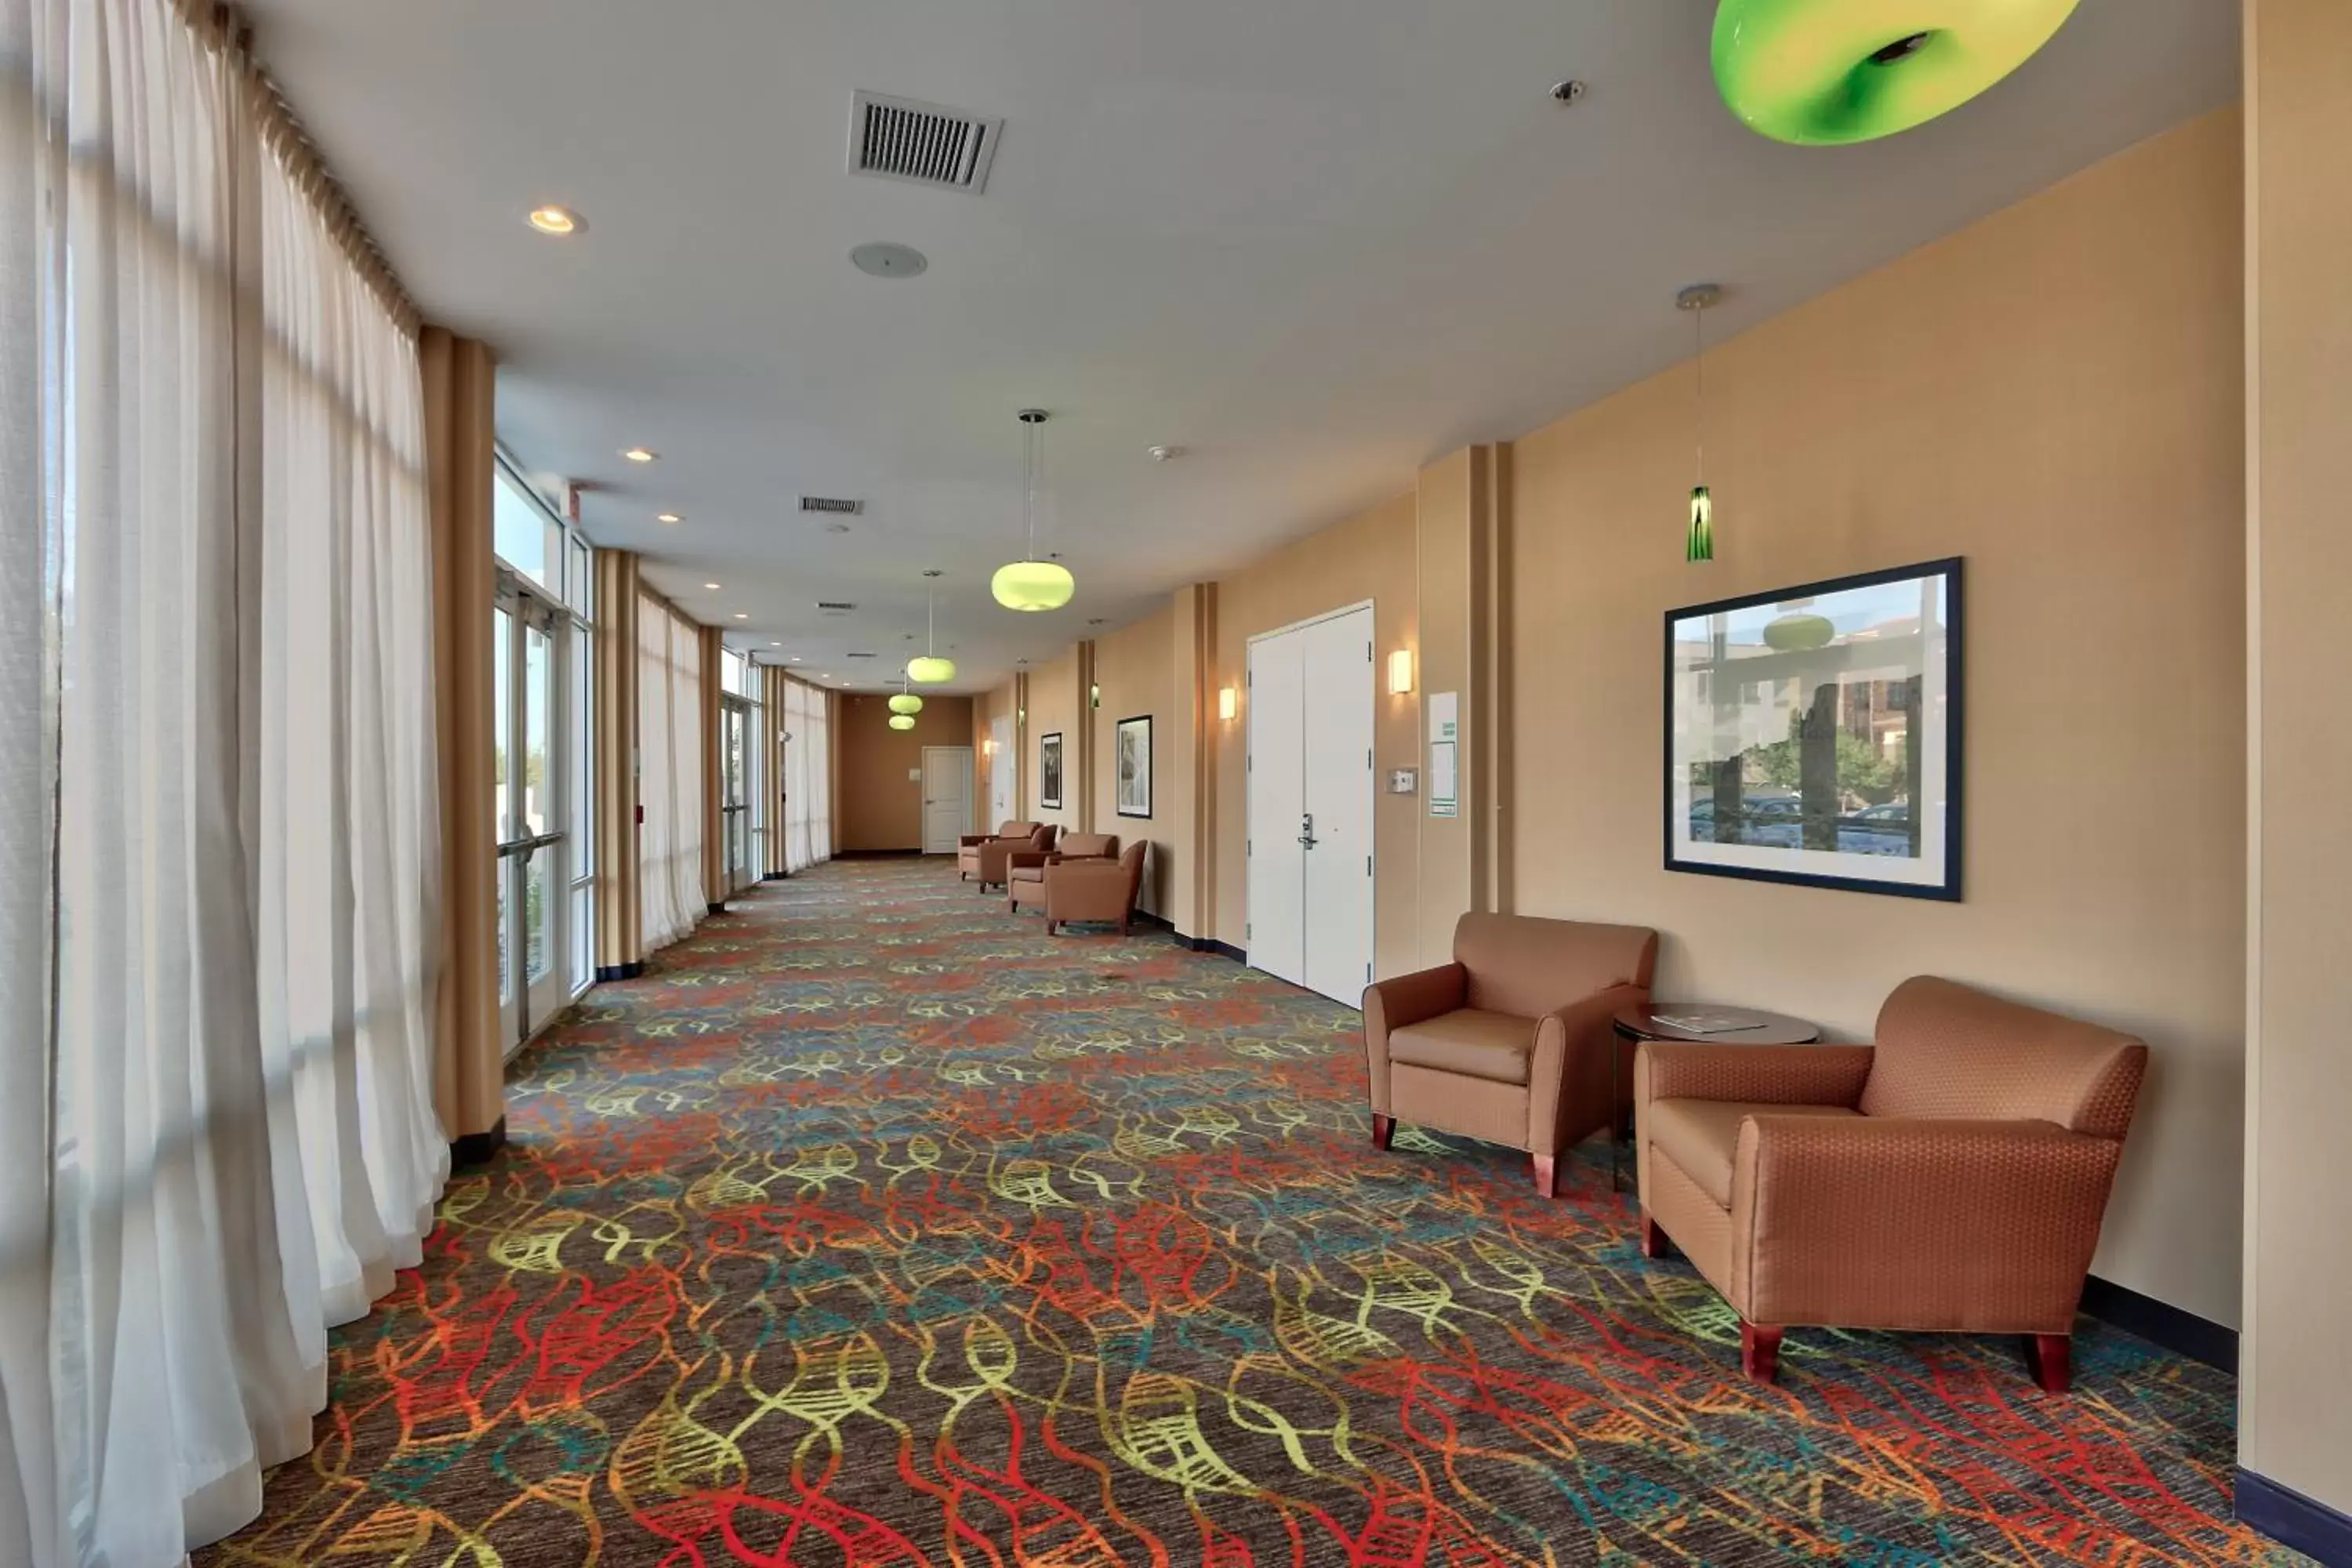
669, 780
213, 1134
808, 777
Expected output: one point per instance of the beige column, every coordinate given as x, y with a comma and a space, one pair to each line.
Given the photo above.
773, 684
2294, 1374
1083, 773
714, 820
469, 1071
1458, 576
1191, 772
620, 909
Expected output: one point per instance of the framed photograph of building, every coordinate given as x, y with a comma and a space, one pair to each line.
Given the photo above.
1132, 758
1049, 772
1813, 734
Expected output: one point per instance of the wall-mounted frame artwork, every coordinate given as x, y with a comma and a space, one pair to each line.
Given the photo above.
1049, 772
1813, 734
1132, 757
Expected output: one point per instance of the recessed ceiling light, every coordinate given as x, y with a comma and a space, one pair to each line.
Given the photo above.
555, 220
640, 454
712, 587
884, 259
668, 517
740, 615
775, 645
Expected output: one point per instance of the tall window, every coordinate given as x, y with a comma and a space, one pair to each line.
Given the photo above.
669, 771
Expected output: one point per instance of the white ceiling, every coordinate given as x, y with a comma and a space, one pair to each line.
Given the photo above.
1318, 242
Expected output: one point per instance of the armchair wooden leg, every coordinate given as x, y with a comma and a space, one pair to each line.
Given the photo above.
1383, 1130
1655, 1242
2051, 1359
1052, 928
1759, 1351
1546, 1175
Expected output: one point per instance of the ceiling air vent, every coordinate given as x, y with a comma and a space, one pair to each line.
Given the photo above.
899, 139
831, 504
834, 606
861, 656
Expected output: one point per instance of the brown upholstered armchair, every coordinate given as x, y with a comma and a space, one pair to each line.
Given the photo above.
1101, 890
1025, 876
988, 857
1510, 1042
1951, 1177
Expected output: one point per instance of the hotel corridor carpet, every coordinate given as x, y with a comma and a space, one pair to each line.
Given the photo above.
875, 1227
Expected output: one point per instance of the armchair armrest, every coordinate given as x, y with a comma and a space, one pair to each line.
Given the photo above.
1070, 873
971, 840
1569, 1079
1768, 1074
1892, 1223
1414, 998
1034, 858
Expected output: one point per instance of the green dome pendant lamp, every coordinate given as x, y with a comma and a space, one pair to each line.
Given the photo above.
1825, 73
930, 669
1031, 584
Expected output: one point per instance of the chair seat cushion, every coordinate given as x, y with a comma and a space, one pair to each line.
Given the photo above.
1491, 1045
1028, 873
1701, 1136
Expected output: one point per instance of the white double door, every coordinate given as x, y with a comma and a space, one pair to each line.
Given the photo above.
1310, 804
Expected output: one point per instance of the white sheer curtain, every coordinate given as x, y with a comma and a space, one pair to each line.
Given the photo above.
216, 888
808, 778
669, 776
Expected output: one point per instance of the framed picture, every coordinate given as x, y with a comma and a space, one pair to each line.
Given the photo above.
1049, 772
1813, 734
1132, 757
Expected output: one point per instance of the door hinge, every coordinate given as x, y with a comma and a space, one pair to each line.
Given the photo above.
1368, 653
1245, 930
1368, 865
1368, 757
1368, 974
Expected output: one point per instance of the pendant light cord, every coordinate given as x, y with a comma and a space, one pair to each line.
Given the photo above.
1699, 362
1035, 434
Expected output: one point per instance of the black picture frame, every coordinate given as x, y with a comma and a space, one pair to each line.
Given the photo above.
1131, 770
1932, 863
1049, 771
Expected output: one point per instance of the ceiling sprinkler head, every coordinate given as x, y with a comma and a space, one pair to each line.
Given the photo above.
1167, 453
1568, 91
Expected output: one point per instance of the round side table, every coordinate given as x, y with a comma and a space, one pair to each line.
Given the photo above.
1692, 1022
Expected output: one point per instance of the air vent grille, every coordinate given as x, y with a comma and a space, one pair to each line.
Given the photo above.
900, 139
860, 656
834, 606
836, 504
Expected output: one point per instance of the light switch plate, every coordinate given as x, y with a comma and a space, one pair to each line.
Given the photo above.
1405, 781
914, 775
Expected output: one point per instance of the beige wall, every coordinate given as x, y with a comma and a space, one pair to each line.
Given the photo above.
2296, 1380
2054, 395
1370, 557
877, 805
1136, 668
1054, 709
985, 711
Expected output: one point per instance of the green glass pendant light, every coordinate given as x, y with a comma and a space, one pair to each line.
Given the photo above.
902, 720
928, 669
906, 703
1822, 73
1698, 544
1029, 583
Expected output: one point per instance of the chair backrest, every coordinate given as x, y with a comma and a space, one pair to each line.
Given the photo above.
1945, 1051
1528, 967
1009, 828
1089, 846
1042, 835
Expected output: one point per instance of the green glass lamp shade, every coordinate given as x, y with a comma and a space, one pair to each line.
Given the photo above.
1800, 633
906, 702
1033, 586
1822, 73
931, 669
1701, 543
902, 720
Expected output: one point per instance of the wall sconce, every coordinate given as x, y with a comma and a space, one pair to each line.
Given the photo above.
988, 745
1401, 672
1228, 702
1094, 695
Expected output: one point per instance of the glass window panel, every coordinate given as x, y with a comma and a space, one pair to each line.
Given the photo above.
582, 758
538, 712
579, 577
518, 528
583, 946
536, 913
501, 718
506, 961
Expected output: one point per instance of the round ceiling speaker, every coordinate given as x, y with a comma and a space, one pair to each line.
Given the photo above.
1033, 586
884, 259
1799, 634
1822, 73
931, 670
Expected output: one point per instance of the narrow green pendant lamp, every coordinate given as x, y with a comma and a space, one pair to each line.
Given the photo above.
1698, 544
928, 669
1031, 584
1823, 73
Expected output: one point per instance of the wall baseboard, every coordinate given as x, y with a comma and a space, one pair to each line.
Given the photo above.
1209, 944
475, 1148
608, 972
718, 909
777, 877
2161, 1322
2285, 1515
876, 854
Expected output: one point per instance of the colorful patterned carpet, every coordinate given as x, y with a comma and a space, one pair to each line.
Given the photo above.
875, 1227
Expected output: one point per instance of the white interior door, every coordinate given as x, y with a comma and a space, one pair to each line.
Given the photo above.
1337, 728
946, 797
1003, 771
1274, 873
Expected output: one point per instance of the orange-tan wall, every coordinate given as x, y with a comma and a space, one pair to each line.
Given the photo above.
1053, 709
2054, 395
878, 805
1134, 668
2295, 1424
1371, 557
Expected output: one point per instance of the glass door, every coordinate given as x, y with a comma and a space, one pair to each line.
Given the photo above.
535, 797
735, 788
